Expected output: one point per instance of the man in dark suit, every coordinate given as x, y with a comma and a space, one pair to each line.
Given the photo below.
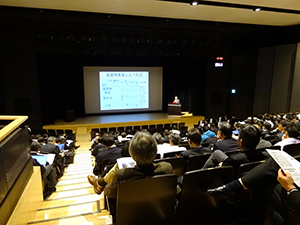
194, 140
226, 143
249, 137
50, 147
110, 153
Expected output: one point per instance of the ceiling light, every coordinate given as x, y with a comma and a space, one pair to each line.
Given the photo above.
256, 9
194, 3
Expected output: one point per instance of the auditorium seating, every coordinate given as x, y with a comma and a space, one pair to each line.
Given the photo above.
196, 205
293, 149
146, 201
178, 164
196, 162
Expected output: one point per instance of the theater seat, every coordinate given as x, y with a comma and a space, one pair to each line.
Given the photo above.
196, 162
293, 149
146, 201
195, 205
178, 164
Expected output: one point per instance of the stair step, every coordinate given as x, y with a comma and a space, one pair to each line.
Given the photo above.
67, 194
82, 219
72, 181
56, 213
73, 187
73, 200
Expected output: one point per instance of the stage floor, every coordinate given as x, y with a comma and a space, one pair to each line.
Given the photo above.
101, 121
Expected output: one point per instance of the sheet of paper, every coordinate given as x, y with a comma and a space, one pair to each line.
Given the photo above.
126, 162
287, 163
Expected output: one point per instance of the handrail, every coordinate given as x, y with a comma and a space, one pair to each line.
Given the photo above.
17, 121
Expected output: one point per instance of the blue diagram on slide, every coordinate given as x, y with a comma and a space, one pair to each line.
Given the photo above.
124, 90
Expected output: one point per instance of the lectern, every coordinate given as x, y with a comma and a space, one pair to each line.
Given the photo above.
174, 109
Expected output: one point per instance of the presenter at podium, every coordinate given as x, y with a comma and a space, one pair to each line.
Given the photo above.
176, 100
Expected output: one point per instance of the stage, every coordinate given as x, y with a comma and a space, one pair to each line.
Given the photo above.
86, 124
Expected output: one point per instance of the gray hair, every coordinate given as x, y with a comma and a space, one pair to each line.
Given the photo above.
143, 148
51, 139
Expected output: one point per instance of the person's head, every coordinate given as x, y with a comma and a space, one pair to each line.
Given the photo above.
123, 134
224, 130
292, 130
174, 139
194, 137
167, 133
282, 125
41, 140
52, 139
35, 146
59, 140
249, 137
108, 140
266, 126
143, 148
158, 138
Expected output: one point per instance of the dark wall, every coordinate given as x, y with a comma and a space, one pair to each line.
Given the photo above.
243, 79
43, 53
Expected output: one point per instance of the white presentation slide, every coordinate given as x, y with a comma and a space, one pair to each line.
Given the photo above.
124, 90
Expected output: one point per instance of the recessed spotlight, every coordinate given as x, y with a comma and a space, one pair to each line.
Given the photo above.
194, 3
256, 9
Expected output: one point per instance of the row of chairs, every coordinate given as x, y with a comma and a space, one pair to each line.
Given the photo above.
152, 200
69, 133
151, 128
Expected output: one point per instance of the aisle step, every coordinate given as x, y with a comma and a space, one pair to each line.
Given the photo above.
67, 194
73, 187
83, 219
73, 200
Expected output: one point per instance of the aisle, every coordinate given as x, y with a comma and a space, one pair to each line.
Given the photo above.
74, 201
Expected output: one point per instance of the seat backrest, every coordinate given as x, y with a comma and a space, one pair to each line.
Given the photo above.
195, 204
196, 162
246, 167
146, 201
293, 149
171, 154
178, 164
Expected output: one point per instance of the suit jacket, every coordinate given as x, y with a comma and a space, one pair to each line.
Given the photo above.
50, 148
226, 145
111, 154
241, 157
134, 174
194, 151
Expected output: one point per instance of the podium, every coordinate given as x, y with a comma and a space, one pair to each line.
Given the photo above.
174, 109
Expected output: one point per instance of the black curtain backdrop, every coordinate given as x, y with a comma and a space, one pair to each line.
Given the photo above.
61, 81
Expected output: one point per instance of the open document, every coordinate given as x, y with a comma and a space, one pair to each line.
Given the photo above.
126, 162
287, 164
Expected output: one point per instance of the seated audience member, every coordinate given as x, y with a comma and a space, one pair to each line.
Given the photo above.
262, 143
249, 137
279, 132
48, 172
122, 137
296, 120
175, 130
263, 180
110, 152
207, 133
172, 146
42, 140
290, 136
159, 141
166, 137
225, 141
266, 129
293, 193
103, 181
194, 140
143, 150
50, 147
